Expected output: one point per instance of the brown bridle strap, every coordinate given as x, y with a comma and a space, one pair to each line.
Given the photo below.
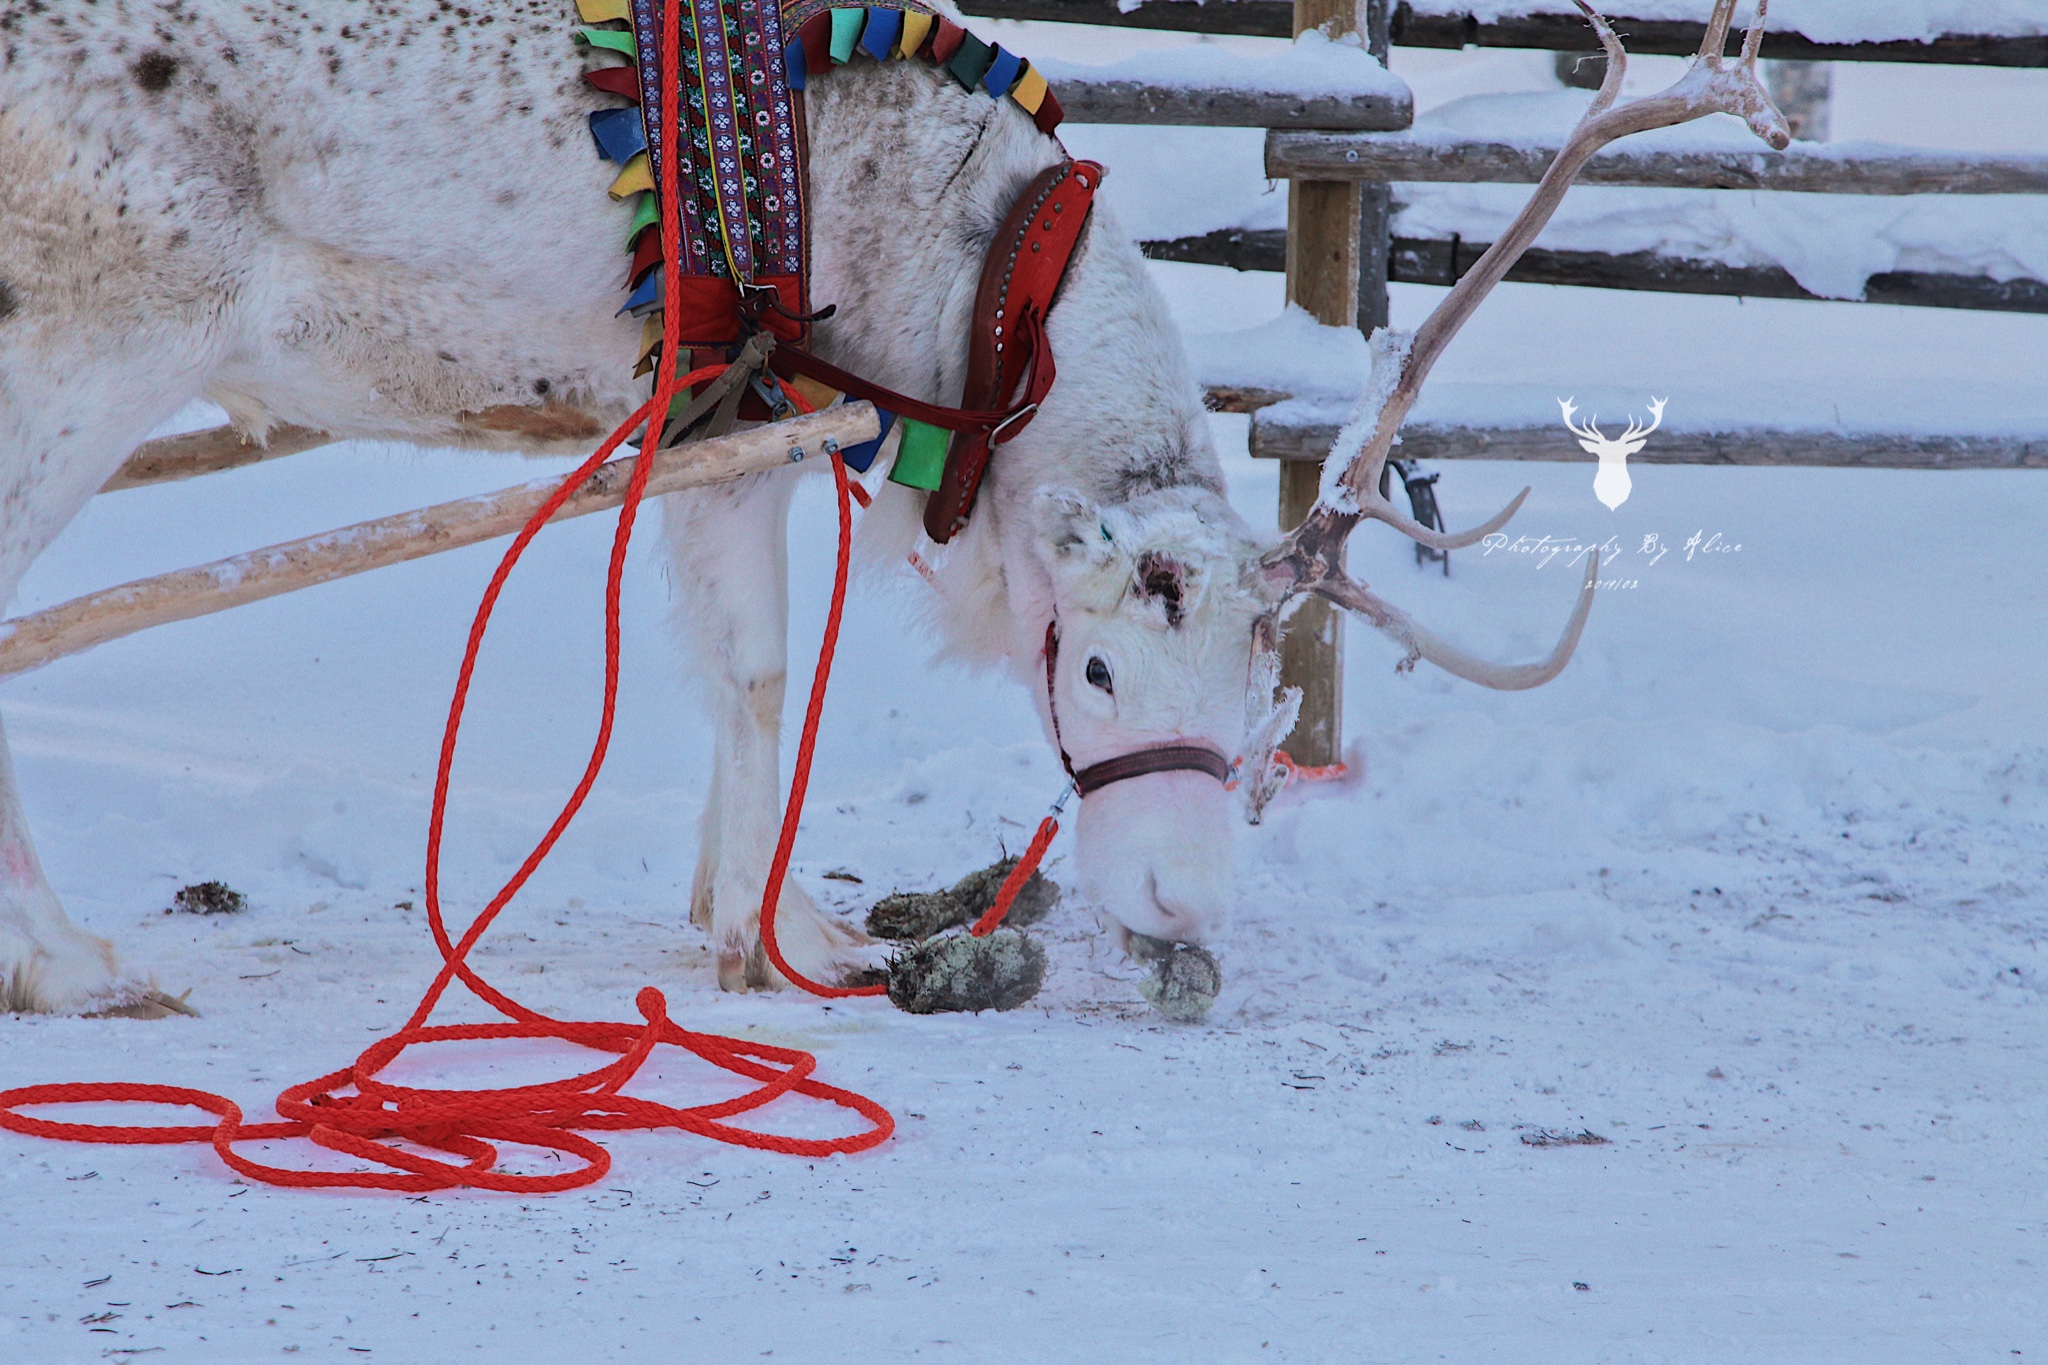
1159, 758
1166, 758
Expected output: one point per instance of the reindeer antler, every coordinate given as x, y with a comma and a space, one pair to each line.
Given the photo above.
1311, 559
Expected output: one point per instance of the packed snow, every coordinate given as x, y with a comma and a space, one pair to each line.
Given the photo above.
1312, 65
1755, 892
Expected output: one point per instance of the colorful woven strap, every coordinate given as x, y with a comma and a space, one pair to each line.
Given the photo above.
739, 159
740, 156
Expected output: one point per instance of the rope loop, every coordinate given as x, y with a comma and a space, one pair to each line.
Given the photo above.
354, 1113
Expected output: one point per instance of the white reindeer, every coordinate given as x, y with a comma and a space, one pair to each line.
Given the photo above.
383, 221
1611, 483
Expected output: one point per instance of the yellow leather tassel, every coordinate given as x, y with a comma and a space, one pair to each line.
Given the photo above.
650, 337
635, 179
915, 27
1029, 90
604, 11
819, 396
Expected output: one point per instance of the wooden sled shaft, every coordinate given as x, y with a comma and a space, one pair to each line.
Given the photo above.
31, 641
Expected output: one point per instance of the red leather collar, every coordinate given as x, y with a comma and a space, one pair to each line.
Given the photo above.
1159, 758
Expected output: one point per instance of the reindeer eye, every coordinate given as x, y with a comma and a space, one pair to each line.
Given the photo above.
1098, 676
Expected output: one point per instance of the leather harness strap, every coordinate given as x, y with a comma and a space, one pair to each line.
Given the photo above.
1007, 347
1010, 367
1160, 758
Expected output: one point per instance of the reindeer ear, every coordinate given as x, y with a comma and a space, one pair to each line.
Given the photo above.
1173, 584
1070, 527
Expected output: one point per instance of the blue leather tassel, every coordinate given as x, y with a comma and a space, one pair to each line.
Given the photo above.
859, 458
793, 63
619, 133
1003, 72
885, 26
648, 296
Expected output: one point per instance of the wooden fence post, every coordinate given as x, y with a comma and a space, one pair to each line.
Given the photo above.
1342, 282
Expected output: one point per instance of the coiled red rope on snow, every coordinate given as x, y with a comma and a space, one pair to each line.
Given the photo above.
355, 1113
468, 1123
375, 1115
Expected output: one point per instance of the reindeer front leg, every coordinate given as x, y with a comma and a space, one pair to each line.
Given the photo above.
728, 547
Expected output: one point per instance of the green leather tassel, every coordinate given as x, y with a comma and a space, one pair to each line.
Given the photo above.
846, 27
611, 38
921, 458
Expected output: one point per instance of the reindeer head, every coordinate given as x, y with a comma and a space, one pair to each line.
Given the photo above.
1167, 614
1152, 607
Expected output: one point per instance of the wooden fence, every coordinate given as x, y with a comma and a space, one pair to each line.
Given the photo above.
1341, 210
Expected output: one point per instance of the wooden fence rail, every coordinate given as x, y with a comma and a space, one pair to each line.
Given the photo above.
31, 641
1089, 98
1562, 31
1805, 167
1444, 261
1102, 99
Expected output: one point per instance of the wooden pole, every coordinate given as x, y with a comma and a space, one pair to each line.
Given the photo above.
31, 641
1323, 262
173, 458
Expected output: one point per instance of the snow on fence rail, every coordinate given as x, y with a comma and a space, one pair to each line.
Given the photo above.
1805, 167
1315, 83
1977, 33
1295, 438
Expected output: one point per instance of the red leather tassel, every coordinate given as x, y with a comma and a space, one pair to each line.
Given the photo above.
623, 81
816, 36
1049, 114
646, 254
946, 39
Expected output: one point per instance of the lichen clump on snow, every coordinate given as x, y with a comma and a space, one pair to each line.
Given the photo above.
957, 972
208, 898
916, 915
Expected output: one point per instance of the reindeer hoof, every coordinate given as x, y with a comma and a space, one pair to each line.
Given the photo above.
1185, 979
911, 917
958, 972
732, 970
151, 1004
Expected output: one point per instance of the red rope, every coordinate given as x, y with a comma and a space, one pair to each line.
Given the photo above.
367, 1122
1019, 875
800, 779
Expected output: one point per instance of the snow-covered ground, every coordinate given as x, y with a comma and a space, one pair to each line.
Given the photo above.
1755, 891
